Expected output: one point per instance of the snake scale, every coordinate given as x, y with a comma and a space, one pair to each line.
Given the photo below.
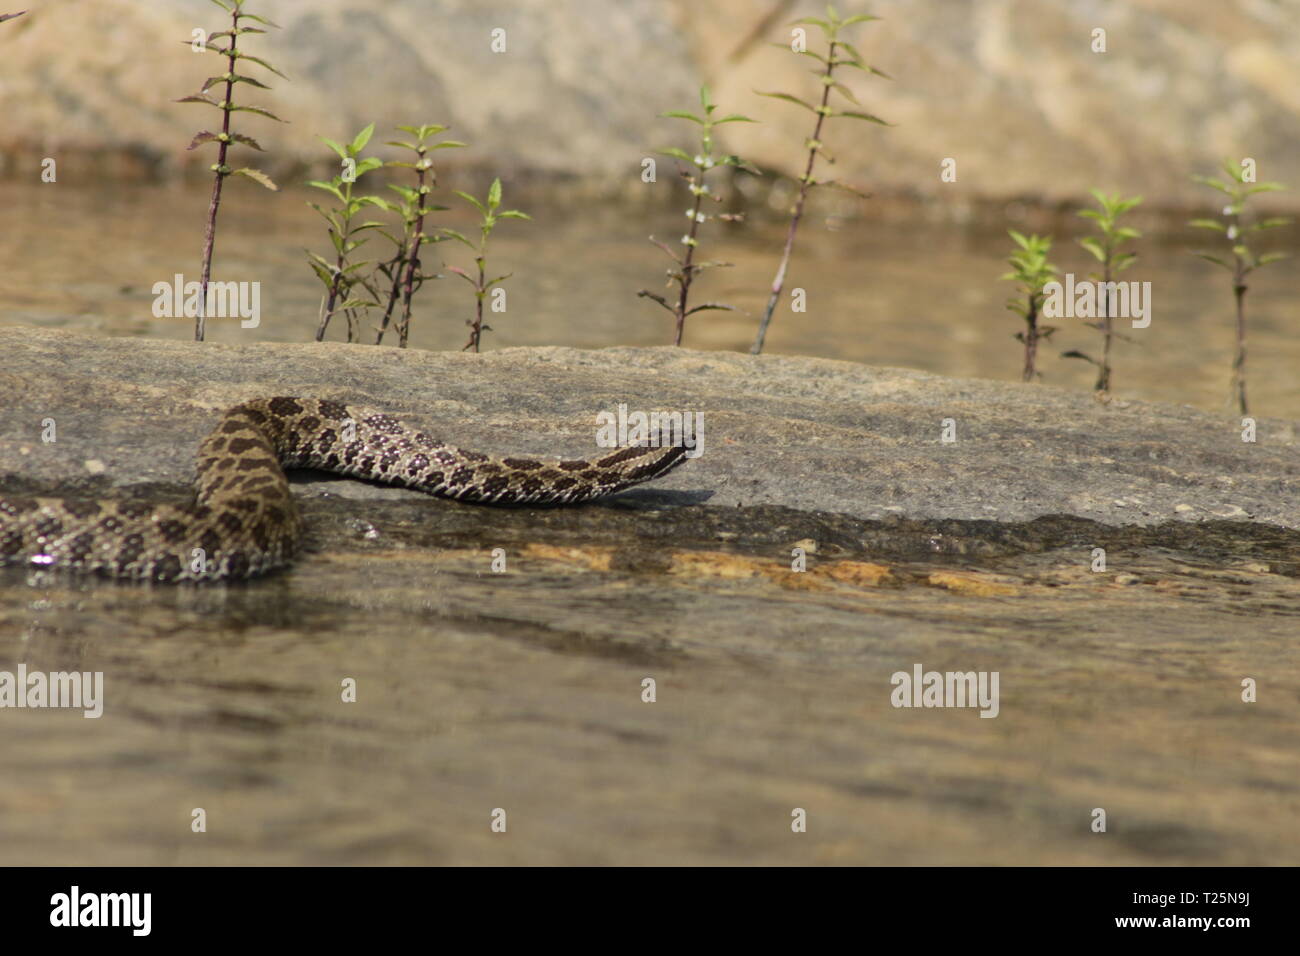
243, 521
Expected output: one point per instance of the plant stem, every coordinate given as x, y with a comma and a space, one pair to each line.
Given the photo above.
413, 263
1103, 373
688, 270
1031, 337
210, 233
395, 267
1239, 363
476, 329
778, 283
1238, 386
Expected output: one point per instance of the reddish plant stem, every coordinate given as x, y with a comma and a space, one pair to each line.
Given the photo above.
413, 263
688, 270
476, 327
394, 291
210, 234
805, 184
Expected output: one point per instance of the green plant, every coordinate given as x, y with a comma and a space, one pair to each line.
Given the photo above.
343, 275
685, 268
403, 271
226, 137
1244, 261
491, 212
1106, 251
839, 52
1030, 268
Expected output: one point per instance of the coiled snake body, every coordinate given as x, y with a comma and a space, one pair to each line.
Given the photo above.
244, 522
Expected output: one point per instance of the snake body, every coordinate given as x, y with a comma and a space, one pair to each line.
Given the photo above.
243, 521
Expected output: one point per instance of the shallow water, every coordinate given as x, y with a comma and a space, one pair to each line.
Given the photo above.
523, 690
885, 293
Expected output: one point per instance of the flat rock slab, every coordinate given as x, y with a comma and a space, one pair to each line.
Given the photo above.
809, 434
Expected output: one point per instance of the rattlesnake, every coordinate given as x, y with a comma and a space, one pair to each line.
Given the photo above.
244, 522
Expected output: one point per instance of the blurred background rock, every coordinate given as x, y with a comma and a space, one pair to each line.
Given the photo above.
1009, 88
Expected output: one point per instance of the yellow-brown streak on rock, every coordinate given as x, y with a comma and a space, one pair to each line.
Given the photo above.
861, 573
594, 559
798, 581
720, 564
976, 585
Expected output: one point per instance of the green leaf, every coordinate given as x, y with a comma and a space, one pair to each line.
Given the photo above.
1214, 183
447, 144
789, 99
1216, 260
1075, 353
257, 176
812, 21
858, 18
513, 214
711, 305
470, 199
1095, 247
342, 153
254, 17
329, 188
1275, 223
844, 91
256, 109
361, 139
682, 114
676, 153
739, 163
734, 118
1208, 224
198, 98
1271, 257
644, 294
201, 138
494, 194
862, 116
241, 55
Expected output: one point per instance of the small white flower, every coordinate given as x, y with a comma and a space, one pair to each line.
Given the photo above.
690, 213
1232, 232
700, 217
699, 160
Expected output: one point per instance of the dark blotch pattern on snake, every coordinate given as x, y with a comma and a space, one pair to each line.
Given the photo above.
244, 522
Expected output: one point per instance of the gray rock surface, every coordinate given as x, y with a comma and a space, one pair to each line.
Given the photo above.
808, 434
